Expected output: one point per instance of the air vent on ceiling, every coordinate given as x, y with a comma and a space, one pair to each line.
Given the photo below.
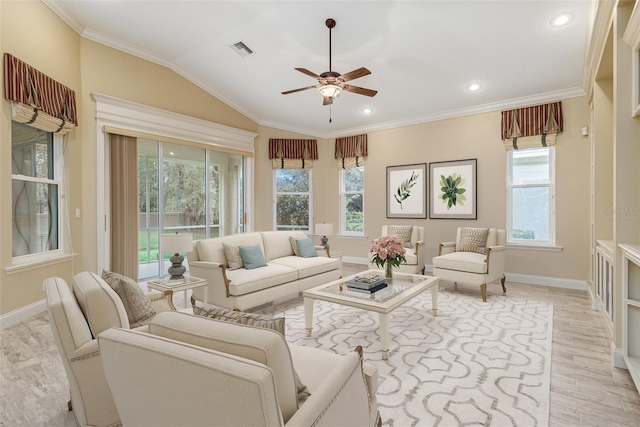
241, 49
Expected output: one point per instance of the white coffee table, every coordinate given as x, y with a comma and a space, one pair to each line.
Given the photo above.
189, 282
405, 286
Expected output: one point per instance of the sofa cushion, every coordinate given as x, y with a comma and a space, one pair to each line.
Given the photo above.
137, 305
403, 232
212, 250
307, 267
294, 245
306, 249
277, 243
472, 240
258, 344
101, 305
232, 253
252, 257
243, 281
471, 262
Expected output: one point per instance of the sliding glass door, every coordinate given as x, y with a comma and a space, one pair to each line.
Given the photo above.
185, 189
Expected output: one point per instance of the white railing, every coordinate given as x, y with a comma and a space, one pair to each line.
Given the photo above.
604, 277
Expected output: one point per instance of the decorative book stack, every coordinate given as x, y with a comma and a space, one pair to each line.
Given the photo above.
366, 283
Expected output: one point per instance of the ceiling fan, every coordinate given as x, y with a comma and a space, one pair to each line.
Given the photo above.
331, 83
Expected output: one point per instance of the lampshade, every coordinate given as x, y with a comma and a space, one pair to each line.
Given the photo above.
324, 229
330, 91
176, 242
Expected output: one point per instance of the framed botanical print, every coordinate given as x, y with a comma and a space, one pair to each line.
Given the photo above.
453, 189
407, 191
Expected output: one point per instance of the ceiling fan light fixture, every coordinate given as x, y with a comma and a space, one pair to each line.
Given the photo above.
330, 91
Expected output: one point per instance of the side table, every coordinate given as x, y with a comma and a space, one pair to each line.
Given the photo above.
189, 282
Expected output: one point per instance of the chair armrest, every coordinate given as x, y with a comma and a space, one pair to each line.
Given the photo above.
341, 399
495, 262
446, 248
161, 301
87, 350
323, 251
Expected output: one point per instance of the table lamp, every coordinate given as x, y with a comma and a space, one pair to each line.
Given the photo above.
176, 243
324, 230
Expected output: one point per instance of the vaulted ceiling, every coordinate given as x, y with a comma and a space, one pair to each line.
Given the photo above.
422, 55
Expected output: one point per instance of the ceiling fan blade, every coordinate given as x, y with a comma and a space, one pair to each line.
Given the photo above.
298, 90
360, 90
355, 74
327, 101
308, 73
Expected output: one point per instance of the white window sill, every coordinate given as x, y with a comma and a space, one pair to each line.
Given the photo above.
350, 236
31, 265
535, 247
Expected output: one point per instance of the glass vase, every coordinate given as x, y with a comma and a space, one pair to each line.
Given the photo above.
388, 273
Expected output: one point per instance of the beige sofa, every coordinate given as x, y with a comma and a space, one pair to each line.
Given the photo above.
232, 375
285, 274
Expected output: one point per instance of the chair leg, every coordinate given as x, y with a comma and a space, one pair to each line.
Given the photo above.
423, 268
504, 289
69, 405
483, 289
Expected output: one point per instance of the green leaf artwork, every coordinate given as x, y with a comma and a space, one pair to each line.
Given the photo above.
452, 190
404, 189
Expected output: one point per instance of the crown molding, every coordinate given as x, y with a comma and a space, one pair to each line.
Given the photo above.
601, 26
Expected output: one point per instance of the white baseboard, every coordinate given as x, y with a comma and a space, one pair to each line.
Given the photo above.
555, 282
617, 356
22, 314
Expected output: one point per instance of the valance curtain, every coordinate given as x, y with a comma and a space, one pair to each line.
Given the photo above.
123, 154
351, 151
37, 99
532, 126
293, 153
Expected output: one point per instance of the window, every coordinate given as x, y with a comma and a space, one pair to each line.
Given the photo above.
36, 183
352, 201
173, 182
530, 196
292, 199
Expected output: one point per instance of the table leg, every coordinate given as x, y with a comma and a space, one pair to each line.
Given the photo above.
434, 299
308, 315
186, 301
384, 335
206, 294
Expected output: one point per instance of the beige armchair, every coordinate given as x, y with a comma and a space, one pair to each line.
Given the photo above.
76, 318
232, 375
476, 257
413, 238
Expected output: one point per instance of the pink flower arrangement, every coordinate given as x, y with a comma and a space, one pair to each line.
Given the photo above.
387, 249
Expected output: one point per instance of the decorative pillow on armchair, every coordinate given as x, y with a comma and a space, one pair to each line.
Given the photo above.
402, 232
138, 307
473, 240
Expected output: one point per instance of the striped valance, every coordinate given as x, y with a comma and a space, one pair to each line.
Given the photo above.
37, 99
293, 153
529, 127
351, 151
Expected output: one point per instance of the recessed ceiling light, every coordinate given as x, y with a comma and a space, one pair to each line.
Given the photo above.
474, 87
562, 19
367, 110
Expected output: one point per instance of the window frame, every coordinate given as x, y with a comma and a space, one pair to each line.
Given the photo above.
343, 208
276, 193
551, 242
59, 179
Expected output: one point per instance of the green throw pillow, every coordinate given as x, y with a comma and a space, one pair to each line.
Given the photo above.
252, 257
306, 248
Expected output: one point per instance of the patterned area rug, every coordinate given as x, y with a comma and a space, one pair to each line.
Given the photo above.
474, 364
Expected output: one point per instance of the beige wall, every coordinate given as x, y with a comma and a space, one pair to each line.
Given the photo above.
54, 49
85, 66
476, 136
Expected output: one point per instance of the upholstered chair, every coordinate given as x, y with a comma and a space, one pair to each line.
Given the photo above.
235, 375
476, 257
76, 317
412, 237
